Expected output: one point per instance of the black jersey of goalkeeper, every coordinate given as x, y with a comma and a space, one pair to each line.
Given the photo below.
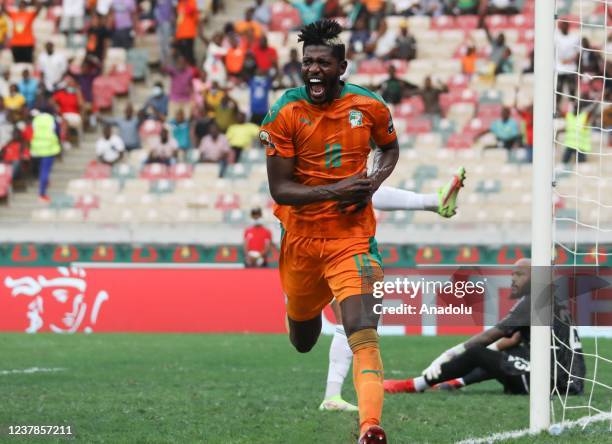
567, 364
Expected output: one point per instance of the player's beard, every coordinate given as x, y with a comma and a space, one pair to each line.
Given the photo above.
323, 92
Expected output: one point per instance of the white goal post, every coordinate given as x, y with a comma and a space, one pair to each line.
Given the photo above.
542, 210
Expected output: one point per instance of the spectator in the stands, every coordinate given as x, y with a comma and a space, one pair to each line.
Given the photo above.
164, 21
52, 65
505, 64
4, 29
14, 153
215, 148
567, 49
503, 7
405, 45
259, 93
200, 85
577, 131
214, 64
234, 59
310, 10
125, 18
28, 87
463, 7
498, 44
128, 128
23, 39
45, 146
529, 69
109, 148
468, 61
14, 101
257, 242
181, 132
90, 69
383, 41
165, 150
527, 129
431, 96
5, 81
156, 105
213, 98
506, 131
393, 90
103, 7
181, 83
69, 101
187, 26
72, 19
201, 123
266, 57
360, 37
590, 59
262, 12
98, 37
292, 71
241, 135
225, 112
376, 11
249, 24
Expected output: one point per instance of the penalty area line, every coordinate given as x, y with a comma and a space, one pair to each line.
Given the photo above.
27, 371
514, 434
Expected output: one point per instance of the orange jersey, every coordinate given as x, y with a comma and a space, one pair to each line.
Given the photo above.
330, 143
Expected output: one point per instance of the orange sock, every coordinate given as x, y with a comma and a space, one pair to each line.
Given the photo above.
367, 377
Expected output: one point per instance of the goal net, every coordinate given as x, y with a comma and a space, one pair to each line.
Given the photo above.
578, 112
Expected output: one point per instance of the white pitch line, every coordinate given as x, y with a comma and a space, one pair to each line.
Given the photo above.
30, 370
581, 422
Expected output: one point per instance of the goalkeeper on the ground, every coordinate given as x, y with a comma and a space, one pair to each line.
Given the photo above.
501, 352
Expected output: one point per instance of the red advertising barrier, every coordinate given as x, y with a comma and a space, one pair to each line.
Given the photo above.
190, 298
141, 300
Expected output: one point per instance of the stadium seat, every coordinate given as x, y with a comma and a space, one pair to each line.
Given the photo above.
460, 141
96, 170
162, 186
121, 75
138, 58
61, 201
418, 125
123, 172
86, 203
466, 22
103, 93
180, 171
78, 187
154, 171
284, 17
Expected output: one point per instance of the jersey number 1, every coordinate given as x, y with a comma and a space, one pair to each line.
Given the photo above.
333, 155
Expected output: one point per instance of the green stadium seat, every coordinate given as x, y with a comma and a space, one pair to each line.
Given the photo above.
162, 186
139, 59
192, 156
236, 216
254, 156
60, 201
237, 171
425, 172
124, 172
489, 186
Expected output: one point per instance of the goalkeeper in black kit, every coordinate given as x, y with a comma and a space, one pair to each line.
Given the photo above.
502, 352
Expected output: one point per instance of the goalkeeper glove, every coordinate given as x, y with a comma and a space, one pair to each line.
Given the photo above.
435, 368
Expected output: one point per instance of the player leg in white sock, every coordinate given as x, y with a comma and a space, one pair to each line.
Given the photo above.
394, 199
340, 358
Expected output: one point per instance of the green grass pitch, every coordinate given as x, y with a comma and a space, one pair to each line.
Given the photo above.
251, 389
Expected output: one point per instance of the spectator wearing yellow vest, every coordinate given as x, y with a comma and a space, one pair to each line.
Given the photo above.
241, 134
44, 147
577, 133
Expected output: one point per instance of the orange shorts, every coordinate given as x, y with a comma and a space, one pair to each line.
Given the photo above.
316, 270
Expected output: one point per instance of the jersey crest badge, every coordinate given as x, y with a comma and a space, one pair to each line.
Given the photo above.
355, 118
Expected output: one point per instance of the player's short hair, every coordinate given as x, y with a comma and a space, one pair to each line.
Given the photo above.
324, 33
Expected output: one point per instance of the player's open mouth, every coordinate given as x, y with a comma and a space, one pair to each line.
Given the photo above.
317, 89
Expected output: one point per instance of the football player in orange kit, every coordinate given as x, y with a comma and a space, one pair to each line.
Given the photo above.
317, 139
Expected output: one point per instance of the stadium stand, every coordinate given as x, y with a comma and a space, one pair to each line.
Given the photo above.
468, 100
